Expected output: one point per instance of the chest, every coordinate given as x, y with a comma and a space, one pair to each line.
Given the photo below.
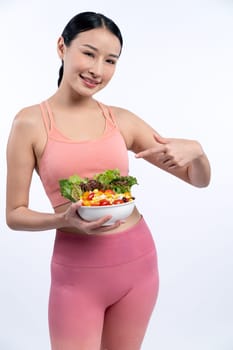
80, 127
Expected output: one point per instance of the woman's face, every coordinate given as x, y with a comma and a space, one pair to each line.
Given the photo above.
90, 60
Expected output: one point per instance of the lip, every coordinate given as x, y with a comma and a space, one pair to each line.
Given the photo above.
91, 83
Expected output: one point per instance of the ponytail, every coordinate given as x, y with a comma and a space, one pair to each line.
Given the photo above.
60, 75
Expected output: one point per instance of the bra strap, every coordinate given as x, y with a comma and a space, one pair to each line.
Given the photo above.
108, 113
50, 114
47, 115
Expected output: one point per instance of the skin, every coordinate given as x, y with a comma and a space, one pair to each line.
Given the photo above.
89, 64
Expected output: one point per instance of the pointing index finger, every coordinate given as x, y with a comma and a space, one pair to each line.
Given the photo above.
153, 150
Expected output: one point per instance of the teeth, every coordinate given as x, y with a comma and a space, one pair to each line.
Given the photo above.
90, 81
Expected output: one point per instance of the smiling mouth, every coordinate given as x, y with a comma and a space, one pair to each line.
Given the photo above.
90, 82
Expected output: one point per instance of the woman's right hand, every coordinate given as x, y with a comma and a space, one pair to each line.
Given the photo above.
73, 219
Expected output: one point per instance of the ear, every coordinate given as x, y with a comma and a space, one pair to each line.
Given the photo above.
61, 47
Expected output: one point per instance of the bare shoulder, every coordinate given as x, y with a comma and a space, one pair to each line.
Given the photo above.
124, 115
28, 121
28, 115
27, 127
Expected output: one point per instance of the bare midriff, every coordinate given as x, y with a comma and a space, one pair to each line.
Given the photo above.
129, 222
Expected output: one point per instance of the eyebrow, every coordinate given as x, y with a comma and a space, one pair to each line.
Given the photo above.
95, 49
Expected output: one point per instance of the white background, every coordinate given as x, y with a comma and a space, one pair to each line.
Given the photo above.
176, 72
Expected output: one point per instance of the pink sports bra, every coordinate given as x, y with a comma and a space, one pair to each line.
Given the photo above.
63, 157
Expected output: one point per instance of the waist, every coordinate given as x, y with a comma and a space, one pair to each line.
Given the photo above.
129, 222
103, 250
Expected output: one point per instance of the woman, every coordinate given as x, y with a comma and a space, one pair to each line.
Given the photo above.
104, 278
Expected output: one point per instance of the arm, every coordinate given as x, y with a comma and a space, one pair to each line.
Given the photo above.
21, 162
182, 158
199, 171
27, 138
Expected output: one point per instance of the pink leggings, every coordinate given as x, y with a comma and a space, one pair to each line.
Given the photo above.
103, 290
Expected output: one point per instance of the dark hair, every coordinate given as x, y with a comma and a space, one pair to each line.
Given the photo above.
83, 22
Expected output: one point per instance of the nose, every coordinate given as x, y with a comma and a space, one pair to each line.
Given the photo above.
96, 69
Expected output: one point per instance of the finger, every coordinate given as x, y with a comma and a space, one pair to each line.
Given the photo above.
172, 166
110, 227
77, 204
143, 154
155, 150
74, 207
95, 228
159, 138
98, 223
169, 163
167, 159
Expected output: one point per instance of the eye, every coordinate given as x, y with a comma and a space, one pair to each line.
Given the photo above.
88, 53
111, 61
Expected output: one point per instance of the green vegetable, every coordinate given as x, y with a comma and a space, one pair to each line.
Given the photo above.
107, 176
123, 184
75, 179
73, 187
66, 188
70, 188
112, 179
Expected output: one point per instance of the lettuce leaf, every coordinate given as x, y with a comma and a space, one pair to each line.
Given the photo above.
113, 180
107, 176
73, 187
75, 179
66, 188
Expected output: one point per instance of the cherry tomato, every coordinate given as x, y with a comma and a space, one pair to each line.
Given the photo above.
90, 196
118, 201
104, 202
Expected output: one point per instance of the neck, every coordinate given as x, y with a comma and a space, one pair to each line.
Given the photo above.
69, 99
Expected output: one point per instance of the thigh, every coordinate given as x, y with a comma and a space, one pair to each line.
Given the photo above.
126, 321
75, 317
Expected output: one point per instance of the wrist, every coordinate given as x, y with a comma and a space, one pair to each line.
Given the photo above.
60, 220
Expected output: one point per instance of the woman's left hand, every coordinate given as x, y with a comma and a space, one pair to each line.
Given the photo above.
171, 153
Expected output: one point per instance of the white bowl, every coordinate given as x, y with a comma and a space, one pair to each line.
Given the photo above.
117, 211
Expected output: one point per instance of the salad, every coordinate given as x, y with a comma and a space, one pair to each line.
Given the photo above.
107, 188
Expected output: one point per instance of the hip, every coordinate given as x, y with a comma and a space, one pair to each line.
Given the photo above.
129, 244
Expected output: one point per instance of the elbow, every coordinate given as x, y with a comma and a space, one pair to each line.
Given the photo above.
199, 177
206, 183
201, 183
12, 221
